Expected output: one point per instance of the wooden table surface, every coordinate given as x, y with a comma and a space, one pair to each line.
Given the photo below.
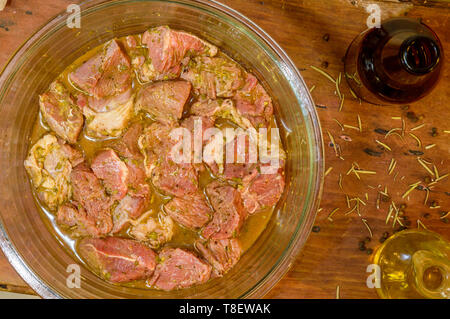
318, 32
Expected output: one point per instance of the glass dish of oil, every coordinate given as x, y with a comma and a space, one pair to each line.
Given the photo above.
414, 264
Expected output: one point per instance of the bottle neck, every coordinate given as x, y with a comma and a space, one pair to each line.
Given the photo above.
419, 55
431, 275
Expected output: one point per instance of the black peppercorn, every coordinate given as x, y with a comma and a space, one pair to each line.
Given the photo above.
316, 229
434, 132
362, 245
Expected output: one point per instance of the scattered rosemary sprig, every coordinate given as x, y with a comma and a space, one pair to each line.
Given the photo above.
338, 82
392, 131
391, 209
445, 216
422, 162
334, 144
340, 124
417, 127
419, 143
420, 224
325, 74
332, 213
392, 166
341, 103
351, 127
367, 226
384, 145
411, 188
426, 196
441, 177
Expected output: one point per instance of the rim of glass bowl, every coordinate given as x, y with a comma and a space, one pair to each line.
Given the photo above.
288, 69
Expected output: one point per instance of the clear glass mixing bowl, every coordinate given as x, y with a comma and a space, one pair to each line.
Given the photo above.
27, 241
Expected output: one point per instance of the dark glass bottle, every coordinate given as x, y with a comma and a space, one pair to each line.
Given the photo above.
398, 63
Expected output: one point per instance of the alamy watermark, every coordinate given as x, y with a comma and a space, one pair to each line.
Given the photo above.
74, 19
74, 278
374, 279
374, 19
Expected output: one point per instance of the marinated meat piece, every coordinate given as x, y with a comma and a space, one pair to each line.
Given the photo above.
49, 168
88, 74
164, 100
154, 143
130, 207
253, 102
262, 190
175, 179
168, 51
153, 231
190, 211
107, 124
79, 223
167, 175
108, 167
106, 78
177, 269
59, 111
67, 215
89, 192
229, 213
118, 260
240, 158
74, 156
135, 202
120, 218
138, 190
214, 77
128, 149
220, 108
128, 146
222, 254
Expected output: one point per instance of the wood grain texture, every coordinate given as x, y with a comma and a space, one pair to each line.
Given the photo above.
331, 257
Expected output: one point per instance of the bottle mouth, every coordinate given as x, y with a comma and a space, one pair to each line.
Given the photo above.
419, 55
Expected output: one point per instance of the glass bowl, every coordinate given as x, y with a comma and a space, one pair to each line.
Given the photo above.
28, 242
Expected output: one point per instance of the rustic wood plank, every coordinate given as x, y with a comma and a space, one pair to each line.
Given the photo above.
331, 257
